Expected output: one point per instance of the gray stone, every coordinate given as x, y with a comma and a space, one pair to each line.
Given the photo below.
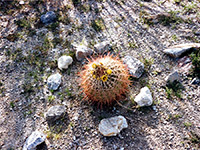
64, 62
35, 139
49, 17
174, 76
82, 52
112, 126
178, 50
102, 47
54, 81
144, 98
55, 112
136, 67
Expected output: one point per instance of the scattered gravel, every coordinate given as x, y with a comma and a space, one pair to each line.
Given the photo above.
140, 29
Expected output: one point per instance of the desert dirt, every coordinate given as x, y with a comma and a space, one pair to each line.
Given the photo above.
143, 29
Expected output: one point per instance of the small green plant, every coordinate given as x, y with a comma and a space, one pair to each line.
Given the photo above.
52, 27
51, 98
76, 2
98, 24
145, 18
187, 124
23, 23
71, 124
177, 1
174, 117
174, 37
169, 92
68, 92
171, 17
132, 45
56, 41
64, 18
12, 104
28, 88
195, 56
174, 88
85, 8
194, 138
190, 8
47, 43
29, 112
148, 63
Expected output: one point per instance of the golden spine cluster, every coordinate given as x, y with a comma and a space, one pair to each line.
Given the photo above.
104, 80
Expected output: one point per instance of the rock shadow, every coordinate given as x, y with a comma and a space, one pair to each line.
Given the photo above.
58, 125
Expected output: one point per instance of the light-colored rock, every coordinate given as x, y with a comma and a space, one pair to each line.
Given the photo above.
136, 67
174, 76
144, 98
102, 47
55, 112
54, 81
35, 139
112, 126
64, 62
178, 50
21, 2
82, 52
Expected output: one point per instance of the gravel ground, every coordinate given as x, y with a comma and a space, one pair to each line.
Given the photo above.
143, 29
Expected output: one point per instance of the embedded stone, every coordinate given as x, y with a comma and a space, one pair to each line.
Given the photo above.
112, 126
135, 67
49, 17
35, 139
54, 81
178, 50
174, 76
82, 52
102, 47
55, 112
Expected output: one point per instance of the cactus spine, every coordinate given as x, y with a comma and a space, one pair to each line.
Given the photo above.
104, 80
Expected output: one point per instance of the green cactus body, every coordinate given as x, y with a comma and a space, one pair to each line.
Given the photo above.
104, 80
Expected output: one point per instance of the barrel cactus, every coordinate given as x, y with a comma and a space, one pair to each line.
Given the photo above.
104, 80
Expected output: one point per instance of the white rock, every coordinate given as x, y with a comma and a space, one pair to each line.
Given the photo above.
21, 2
82, 52
144, 98
178, 50
35, 139
174, 76
54, 81
135, 67
102, 47
112, 126
64, 62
